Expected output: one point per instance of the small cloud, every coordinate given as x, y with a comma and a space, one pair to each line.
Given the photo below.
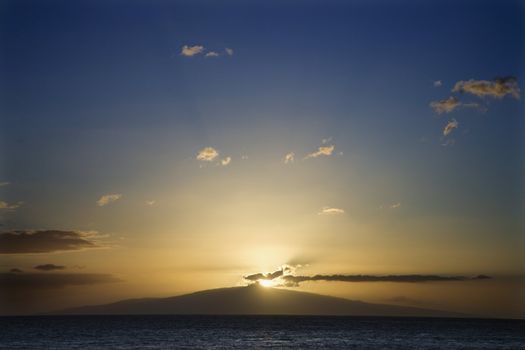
438, 83
4, 183
244, 157
15, 270
445, 106
449, 143
212, 54
5, 205
190, 51
325, 141
36, 281
207, 154
49, 267
108, 198
451, 125
289, 158
321, 151
45, 241
150, 203
497, 88
395, 205
229, 51
331, 211
226, 161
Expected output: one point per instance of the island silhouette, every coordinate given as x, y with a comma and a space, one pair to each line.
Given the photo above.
252, 300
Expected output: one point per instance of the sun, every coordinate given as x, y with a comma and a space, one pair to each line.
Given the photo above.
265, 283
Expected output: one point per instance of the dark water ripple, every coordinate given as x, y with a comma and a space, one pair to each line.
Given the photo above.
257, 332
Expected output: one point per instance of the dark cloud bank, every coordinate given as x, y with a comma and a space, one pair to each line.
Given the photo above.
286, 279
49, 267
44, 241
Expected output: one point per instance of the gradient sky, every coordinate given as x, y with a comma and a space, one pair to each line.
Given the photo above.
100, 98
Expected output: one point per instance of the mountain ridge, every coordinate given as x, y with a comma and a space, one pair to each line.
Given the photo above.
252, 300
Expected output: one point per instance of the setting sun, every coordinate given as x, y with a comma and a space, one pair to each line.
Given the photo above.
266, 283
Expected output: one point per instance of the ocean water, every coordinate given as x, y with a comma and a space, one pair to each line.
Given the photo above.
257, 332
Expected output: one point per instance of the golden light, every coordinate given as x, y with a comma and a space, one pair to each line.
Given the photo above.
265, 283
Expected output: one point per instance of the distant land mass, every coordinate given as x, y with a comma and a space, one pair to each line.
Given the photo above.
252, 300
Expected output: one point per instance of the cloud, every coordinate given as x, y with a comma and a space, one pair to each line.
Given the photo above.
229, 51
321, 151
325, 141
4, 183
150, 203
190, 51
5, 205
289, 158
395, 205
34, 281
211, 54
108, 198
438, 83
49, 267
285, 277
448, 143
294, 281
331, 211
45, 241
226, 161
445, 106
207, 154
15, 270
451, 125
497, 88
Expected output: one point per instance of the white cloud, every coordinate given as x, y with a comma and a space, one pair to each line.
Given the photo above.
189, 51
496, 88
451, 125
226, 161
331, 211
5, 205
244, 157
212, 54
438, 83
229, 51
108, 198
445, 106
207, 154
395, 205
321, 151
289, 158
150, 203
324, 141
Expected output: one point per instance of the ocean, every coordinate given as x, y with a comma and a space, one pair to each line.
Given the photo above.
257, 332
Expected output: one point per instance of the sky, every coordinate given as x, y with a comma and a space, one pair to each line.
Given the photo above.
155, 148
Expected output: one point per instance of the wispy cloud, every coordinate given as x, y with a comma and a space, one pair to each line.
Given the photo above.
150, 203
448, 143
395, 205
226, 161
229, 51
451, 125
445, 106
4, 183
108, 198
212, 54
190, 51
49, 267
438, 83
46, 241
321, 151
289, 158
497, 88
331, 211
207, 154
5, 205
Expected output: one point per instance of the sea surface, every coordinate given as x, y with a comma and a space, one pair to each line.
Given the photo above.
257, 332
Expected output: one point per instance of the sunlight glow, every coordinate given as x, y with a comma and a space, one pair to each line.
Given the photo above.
265, 283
